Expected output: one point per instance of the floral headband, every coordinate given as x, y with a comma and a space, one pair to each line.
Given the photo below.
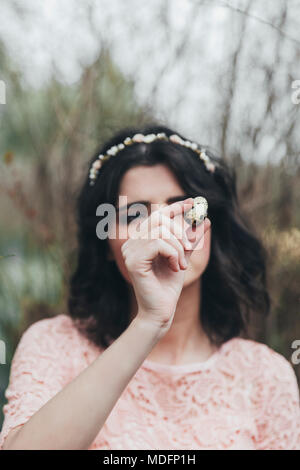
147, 139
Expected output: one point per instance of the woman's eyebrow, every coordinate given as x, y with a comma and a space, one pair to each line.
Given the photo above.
147, 203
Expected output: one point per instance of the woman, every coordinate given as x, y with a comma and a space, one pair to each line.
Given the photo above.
154, 352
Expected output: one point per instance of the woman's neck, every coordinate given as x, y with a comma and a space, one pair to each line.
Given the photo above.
185, 342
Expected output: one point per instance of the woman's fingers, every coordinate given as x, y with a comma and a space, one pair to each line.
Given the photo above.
176, 229
196, 236
167, 216
161, 247
163, 224
177, 207
163, 232
170, 211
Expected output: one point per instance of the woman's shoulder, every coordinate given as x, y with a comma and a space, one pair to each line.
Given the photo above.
58, 335
260, 358
48, 334
59, 326
56, 323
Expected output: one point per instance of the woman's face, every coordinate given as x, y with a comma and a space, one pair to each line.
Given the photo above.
153, 185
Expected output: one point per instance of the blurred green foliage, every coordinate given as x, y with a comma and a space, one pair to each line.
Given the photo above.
47, 137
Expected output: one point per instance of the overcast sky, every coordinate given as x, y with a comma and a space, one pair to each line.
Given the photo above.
61, 36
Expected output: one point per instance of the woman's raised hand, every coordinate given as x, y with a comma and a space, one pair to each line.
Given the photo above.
156, 260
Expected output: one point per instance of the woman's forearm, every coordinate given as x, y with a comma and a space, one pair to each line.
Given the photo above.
74, 416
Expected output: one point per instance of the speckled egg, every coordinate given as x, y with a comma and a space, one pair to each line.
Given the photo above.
197, 214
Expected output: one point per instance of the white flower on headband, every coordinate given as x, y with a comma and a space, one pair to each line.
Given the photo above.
138, 138
147, 139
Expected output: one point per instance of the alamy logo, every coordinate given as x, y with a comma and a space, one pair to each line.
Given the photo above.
2, 352
2, 92
117, 223
296, 354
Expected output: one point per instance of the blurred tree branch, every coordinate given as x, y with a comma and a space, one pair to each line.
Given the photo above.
260, 20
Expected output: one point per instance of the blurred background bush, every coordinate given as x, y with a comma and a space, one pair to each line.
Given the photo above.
222, 73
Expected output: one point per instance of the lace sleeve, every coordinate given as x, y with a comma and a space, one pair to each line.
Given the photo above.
278, 411
41, 366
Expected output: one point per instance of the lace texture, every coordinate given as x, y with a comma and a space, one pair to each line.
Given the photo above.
245, 396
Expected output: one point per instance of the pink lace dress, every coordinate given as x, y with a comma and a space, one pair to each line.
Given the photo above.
245, 396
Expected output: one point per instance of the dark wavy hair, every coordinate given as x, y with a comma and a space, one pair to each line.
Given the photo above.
234, 282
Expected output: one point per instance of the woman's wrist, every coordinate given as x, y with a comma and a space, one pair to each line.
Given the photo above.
148, 328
